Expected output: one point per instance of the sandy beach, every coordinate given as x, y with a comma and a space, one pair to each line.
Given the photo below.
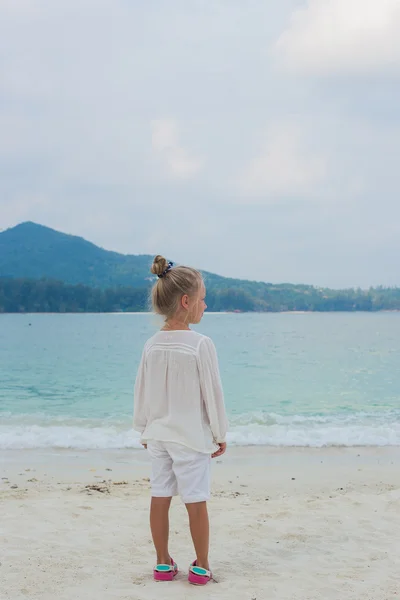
290, 524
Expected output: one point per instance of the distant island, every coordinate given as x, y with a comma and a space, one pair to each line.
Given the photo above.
43, 270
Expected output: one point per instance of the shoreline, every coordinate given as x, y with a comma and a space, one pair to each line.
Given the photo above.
310, 467
248, 450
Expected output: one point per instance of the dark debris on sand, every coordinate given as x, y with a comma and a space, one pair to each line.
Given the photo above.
104, 487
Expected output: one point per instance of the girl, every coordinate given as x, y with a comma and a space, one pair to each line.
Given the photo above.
179, 411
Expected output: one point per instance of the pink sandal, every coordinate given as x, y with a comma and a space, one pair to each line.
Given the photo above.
199, 576
165, 572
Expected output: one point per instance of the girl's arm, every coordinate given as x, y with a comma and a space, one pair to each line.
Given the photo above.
211, 387
139, 412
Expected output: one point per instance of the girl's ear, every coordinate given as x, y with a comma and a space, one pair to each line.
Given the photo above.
185, 301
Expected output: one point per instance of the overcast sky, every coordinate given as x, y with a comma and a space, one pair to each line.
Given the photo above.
252, 138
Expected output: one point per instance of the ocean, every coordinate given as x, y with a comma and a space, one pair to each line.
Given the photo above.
332, 379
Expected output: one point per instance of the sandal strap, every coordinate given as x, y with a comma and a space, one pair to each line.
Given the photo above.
200, 571
165, 568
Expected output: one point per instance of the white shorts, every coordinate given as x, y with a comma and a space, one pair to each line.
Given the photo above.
178, 470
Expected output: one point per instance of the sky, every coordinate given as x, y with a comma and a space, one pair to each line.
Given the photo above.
255, 139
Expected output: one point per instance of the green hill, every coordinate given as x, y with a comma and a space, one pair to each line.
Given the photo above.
33, 251
44, 270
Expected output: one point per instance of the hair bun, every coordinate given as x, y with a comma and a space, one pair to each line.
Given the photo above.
160, 264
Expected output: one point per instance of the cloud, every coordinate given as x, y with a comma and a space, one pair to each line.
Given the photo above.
342, 36
166, 146
156, 129
285, 167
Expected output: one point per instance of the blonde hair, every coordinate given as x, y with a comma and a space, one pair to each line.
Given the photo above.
172, 284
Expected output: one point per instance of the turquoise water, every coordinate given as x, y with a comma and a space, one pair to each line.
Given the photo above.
289, 379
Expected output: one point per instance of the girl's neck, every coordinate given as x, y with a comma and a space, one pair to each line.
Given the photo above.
175, 325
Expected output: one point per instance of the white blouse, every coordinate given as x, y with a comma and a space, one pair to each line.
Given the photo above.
178, 392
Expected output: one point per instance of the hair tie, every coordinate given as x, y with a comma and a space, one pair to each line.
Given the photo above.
167, 270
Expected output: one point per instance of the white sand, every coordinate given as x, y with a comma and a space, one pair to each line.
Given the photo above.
331, 533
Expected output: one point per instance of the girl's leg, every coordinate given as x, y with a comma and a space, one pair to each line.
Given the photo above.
159, 523
200, 530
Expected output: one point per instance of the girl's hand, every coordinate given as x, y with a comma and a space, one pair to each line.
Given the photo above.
221, 451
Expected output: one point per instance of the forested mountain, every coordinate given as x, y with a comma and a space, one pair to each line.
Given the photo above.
42, 270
